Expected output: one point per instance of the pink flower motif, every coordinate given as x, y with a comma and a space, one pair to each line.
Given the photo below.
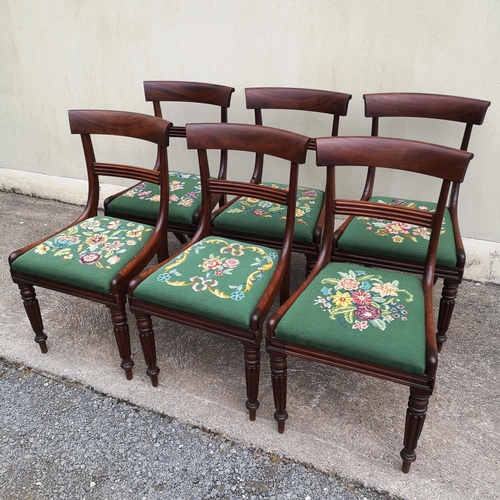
396, 227
258, 211
173, 197
231, 263
309, 193
144, 193
348, 284
115, 245
113, 224
210, 264
369, 228
218, 272
361, 298
360, 325
421, 231
367, 312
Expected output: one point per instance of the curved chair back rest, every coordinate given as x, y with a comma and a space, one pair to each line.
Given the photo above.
442, 162
437, 106
125, 124
252, 138
198, 92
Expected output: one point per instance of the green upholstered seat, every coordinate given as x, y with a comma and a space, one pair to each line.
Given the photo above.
254, 216
359, 312
220, 279
402, 241
144, 199
88, 255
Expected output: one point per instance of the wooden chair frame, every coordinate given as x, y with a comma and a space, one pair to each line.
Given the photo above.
116, 123
283, 98
263, 140
188, 92
438, 161
431, 106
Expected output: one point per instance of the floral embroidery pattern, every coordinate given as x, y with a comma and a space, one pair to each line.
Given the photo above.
306, 201
362, 300
398, 230
217, 265
177, 183
98, 241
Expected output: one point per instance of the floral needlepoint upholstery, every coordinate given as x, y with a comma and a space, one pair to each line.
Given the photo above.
393, 239
144, 199
216, 278
88, 255
358, 312
254, 216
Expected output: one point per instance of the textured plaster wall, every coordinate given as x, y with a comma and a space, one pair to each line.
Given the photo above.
57, 55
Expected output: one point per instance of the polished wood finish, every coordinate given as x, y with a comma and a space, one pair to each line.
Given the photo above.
189, 92
428, 159
116, 123
282, 98
431, 106
261, 140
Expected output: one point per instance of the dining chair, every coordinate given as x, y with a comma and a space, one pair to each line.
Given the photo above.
141, 202
96, 256
218, 284
260, 221
389, 244
369, 320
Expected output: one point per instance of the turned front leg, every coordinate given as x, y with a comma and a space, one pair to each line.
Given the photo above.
32, 309
279, 381
446, 307
120, 329
252, 373
147, 338
415, 418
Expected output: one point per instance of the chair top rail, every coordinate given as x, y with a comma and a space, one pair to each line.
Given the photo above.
412, 156
419, 105
121, 123
204, 93
321, 101
254, 138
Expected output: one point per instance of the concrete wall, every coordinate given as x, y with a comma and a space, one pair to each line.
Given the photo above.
57, 55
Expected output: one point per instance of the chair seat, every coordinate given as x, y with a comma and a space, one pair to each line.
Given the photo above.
219, 279
88, 255
401, 241
358, 312
254, 216
144, 199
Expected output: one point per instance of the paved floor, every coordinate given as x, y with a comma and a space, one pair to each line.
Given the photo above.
340, 423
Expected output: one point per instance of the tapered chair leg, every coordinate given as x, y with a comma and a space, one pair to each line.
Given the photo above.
147, 338
252, 372
279, 381
122, 336
415, 418
446, 306
33, 311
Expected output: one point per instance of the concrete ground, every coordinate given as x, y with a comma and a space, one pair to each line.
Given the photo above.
340, 422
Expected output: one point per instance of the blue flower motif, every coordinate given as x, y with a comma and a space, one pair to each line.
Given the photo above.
360, 272
274, 255
237, 295
182, 175
365, 285
163, 278
326, 291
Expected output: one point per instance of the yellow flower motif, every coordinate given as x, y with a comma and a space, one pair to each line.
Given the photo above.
342, 299
131, 242
42, 249
397, 239
299, 212
156, 197
253, 200
382, 232
134, 233
385, 289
